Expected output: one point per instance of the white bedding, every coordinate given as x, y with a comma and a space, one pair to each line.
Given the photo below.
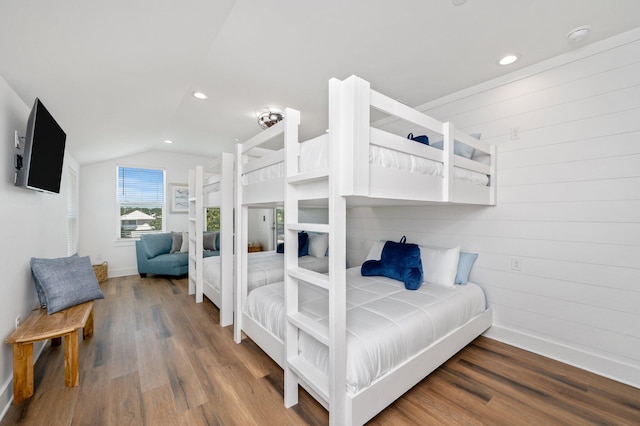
386, 324
264, 267
314, 155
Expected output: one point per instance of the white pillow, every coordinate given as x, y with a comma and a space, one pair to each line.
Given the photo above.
185, 243
440, 265
318, 244
376, 251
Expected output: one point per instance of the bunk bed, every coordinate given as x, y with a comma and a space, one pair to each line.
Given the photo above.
212, 187
340, 168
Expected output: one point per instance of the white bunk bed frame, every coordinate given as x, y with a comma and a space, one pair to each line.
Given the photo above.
203, 195
351, 179
250, 157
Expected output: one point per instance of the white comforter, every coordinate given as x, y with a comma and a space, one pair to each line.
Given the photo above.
314, 155
264, 267
386, 324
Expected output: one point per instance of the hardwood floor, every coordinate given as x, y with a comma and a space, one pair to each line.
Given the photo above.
157, 358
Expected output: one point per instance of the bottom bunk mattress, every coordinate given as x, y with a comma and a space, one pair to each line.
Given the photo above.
386, 324
264, 267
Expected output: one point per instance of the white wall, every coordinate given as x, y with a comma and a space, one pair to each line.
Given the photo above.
99, 211
568, 207
261, 223
34, 224
260, 227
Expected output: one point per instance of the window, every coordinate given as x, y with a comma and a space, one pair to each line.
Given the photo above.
72, 211
279, 228
213, 219
140, 201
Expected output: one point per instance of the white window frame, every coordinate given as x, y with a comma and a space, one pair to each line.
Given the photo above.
118, 204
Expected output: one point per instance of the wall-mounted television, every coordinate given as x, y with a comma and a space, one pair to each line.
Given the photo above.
39, 166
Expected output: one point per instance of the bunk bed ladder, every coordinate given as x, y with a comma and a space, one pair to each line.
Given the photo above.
195, 227
329, 388
297, 369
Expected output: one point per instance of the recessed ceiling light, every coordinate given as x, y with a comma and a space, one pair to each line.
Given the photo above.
168, 141
578, 34
199, 95
458, 2
509, 59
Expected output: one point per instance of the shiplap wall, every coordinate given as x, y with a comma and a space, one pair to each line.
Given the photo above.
568, 207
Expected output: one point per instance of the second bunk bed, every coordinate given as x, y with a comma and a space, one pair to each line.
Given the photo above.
317, 321
212, 276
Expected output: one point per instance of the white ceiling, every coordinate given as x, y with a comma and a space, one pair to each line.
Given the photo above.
118, 75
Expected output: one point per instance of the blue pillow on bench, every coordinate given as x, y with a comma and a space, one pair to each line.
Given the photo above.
36, 281
66, 282
399, 261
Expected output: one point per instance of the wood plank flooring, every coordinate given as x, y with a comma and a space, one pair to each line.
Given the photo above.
158, 358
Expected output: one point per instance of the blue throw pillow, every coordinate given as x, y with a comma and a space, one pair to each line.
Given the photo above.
421, 138
66, 283
465, 263
303, 244
459, 148
399, 261
36, 281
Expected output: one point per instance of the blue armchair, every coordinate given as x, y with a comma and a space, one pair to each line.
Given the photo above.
154, 257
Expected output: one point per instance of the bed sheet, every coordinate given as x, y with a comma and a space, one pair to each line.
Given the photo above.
314, 155
264, 267
386, 324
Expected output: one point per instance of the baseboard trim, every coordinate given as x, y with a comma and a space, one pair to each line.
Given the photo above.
602, 366
122, 272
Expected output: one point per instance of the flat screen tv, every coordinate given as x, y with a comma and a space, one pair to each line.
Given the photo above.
40, 165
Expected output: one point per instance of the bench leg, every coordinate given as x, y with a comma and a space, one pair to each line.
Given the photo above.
71, 373
87, 331
22, 371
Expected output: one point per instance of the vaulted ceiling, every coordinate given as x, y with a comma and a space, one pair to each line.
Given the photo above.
119, 75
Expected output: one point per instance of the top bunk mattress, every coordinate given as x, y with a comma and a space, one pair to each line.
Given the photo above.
314, 154
264, 267
386, 324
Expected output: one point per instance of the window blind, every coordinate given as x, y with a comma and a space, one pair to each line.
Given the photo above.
137, 185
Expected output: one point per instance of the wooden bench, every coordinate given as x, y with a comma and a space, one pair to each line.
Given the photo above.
40, 326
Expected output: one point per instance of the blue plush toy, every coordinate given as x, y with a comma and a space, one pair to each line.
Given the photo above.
399, 261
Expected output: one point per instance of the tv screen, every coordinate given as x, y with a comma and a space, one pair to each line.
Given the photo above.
40, 167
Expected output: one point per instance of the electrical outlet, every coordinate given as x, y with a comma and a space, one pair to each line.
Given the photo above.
99, 258
515, 133
516, 264
17, 322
